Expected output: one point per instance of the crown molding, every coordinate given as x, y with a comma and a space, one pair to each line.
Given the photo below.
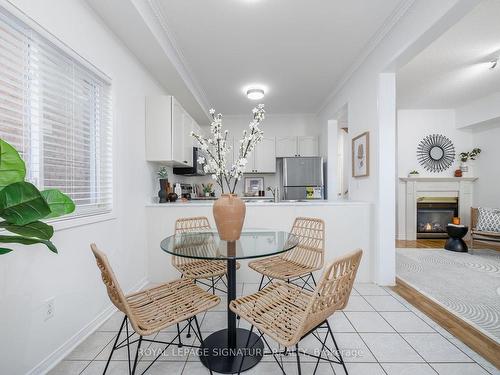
156, 17
381, 33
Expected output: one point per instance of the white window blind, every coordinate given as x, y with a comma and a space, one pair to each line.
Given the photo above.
57, 113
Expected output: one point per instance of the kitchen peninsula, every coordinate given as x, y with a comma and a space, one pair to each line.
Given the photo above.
347, 223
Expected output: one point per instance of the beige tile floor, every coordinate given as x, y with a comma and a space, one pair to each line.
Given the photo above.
389, 335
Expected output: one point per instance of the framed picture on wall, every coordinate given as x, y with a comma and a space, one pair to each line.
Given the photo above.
361, 155
253, 185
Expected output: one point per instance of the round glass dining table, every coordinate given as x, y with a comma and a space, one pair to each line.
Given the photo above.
223, 351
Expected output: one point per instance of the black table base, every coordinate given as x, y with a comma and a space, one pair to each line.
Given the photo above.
218, 356
455, 242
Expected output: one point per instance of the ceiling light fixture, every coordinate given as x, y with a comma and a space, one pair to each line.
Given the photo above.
255, 94
494, 63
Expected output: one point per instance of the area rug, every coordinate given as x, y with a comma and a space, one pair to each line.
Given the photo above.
467, 284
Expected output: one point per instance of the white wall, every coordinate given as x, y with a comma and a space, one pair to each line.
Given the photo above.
423, 22
30, 275
487, 166
414, 125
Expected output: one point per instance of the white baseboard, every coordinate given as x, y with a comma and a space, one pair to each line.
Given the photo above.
60, 353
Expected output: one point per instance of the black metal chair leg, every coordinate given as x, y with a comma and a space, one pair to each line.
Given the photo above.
314, 281
179, 335
298, 359
114, 345
336, 347
137, 354
261, 281
323, 344
188, 335
246, 346
128, 347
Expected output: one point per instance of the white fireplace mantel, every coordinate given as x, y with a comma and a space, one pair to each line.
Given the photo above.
413, 188
438, 179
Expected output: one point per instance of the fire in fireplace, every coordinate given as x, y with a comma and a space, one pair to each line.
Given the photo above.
434, 214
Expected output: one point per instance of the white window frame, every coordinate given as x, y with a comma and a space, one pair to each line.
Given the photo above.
70, 221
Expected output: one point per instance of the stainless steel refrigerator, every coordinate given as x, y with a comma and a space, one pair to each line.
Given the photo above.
301, 178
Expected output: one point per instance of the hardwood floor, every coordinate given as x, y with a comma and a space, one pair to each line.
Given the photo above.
421, 244
439, 244
470, 336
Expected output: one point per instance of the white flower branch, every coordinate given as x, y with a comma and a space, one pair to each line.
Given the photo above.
216, 149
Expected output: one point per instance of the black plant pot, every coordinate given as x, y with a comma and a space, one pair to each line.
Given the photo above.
162, 194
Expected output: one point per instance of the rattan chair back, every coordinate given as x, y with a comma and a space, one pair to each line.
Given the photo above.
115, 293
311, 248
193, 244
333, 290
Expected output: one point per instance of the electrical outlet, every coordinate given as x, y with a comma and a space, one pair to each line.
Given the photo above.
50, 308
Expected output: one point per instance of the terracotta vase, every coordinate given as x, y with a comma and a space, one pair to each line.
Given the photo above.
229, 214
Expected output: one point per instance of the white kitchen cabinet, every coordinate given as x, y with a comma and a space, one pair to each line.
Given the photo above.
307, 146
263, 158
296, 146
188, 127
286, 147
168, 128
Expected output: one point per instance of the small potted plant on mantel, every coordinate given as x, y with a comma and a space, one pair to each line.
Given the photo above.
229, 210
465, 157
413, 173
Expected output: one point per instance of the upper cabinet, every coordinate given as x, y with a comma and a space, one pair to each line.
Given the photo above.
286, 147
263, 157
307, 146
297, 146
168, 132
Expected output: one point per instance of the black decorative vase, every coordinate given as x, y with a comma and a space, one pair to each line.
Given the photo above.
162, 194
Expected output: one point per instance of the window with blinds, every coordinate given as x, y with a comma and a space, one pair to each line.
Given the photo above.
57, 113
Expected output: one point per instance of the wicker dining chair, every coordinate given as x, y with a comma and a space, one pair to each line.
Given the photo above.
154, 309
200, 269
298, 264
287, 313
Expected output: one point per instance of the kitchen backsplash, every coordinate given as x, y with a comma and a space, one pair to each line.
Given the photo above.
269, 180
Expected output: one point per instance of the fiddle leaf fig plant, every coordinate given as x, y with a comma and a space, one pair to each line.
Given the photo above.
23, 206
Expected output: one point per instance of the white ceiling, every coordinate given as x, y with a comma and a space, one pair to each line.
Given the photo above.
299, 49
454, 70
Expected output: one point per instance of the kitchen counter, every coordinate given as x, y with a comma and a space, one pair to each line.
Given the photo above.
209, 203
347, 224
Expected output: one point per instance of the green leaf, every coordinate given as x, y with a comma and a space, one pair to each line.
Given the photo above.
59, 203
12, 168
4, 250
21, 203
28, 241
36, 229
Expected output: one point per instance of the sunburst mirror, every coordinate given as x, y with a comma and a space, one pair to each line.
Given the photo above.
436, 153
